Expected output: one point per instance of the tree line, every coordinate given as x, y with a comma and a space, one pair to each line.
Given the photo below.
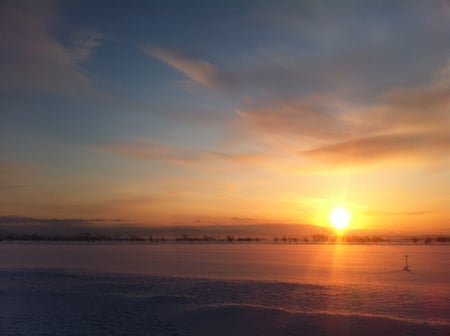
316, 238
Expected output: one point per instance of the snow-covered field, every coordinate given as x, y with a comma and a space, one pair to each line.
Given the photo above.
223, 289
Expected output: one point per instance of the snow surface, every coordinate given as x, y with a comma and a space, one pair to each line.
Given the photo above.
223, 290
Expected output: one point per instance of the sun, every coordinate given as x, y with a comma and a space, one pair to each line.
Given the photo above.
340, 217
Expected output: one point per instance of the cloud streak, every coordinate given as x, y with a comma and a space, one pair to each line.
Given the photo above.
84, 43
20, 220
404, 123
154, 150
32, 58
273, 78
314, 117
398, 213
352, 50
199, 71
381, 148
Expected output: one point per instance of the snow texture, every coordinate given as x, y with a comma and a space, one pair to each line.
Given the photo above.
64, 301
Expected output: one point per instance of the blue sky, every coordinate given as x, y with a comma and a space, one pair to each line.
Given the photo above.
163, 112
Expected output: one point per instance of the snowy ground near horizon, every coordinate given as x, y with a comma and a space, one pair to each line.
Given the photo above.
202, 293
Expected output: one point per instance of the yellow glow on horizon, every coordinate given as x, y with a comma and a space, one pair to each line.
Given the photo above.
340, 217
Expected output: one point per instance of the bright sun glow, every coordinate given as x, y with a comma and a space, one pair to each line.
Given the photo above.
340, 217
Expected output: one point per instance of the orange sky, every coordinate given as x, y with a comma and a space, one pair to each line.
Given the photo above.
263, 112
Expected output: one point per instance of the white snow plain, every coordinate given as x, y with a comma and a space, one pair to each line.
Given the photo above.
220, 289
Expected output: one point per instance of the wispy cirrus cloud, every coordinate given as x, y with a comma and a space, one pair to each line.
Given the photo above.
149, 149
84, 43
315, 117
383, 148
199, 71
404, 123
260, 76
270, 77
407, 123
400, 122
425, 107
32, 58
322, 48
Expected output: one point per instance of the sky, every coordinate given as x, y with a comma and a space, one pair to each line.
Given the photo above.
226, 112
